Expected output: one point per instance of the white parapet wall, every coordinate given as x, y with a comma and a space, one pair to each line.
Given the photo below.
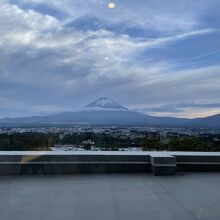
160, 163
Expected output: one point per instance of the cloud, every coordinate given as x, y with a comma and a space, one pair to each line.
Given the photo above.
51, 63
181, 110
187, 113
182, 15
179, 107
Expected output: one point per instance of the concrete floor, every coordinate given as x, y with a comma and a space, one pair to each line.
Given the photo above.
110, 197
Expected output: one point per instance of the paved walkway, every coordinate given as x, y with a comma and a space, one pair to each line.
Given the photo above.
111, 197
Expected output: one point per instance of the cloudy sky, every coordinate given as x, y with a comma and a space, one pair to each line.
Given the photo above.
158, 57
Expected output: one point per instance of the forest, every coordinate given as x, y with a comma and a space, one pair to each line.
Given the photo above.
150, 142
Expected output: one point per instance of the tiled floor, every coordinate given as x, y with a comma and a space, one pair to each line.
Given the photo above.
111, 197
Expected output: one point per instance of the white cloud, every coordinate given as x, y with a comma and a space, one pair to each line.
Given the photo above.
187, 113
41, 57
169, 17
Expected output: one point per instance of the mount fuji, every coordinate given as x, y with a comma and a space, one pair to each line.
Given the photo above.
105, 111
105, 104
101, 111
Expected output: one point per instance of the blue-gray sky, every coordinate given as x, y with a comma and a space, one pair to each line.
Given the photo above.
158, 57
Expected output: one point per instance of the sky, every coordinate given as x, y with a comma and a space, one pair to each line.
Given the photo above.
156, 57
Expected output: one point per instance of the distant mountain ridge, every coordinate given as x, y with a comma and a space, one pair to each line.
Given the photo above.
105, 111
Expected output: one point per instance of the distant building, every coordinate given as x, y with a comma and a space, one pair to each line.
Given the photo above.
88, 142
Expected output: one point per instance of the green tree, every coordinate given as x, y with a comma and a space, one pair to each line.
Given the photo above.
189, 144
151, 143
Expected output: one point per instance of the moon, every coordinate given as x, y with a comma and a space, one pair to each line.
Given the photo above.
111, 5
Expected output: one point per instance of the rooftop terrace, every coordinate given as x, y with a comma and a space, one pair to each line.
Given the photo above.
109, 185
138, 196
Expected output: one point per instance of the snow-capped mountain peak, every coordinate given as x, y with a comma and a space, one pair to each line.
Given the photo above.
104, 104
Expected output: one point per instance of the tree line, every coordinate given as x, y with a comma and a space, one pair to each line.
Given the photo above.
37, 141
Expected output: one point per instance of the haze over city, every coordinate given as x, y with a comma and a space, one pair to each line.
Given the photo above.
159, 58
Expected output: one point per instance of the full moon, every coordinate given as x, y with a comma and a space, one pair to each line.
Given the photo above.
111, 5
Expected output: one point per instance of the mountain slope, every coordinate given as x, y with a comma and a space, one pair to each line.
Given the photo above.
211, 121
